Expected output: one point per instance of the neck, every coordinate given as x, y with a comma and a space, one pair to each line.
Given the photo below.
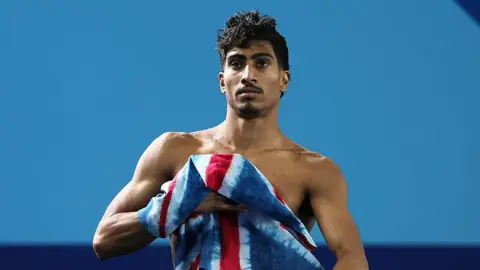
240, 134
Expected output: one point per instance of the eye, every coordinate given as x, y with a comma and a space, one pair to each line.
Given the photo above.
235, 64
263, 63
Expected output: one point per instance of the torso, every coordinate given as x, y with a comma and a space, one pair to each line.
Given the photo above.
288, 169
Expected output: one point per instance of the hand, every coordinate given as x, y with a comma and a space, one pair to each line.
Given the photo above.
215, 202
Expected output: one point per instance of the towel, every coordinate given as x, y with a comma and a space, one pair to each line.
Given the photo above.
266, 236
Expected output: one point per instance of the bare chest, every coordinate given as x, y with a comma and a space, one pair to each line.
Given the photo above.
283, 170
288, 181
289, 177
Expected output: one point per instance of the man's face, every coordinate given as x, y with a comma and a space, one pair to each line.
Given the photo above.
252, 79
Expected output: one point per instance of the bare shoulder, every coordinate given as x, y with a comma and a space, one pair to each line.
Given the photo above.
175, 140
165, 150
323, 170
177, 146
172, 138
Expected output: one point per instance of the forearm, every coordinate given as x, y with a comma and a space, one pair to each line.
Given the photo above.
119, 235
351, 261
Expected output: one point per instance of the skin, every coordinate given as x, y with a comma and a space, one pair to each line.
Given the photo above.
312, 185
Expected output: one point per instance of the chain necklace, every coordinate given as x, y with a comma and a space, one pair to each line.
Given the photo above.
262, 150
221, 143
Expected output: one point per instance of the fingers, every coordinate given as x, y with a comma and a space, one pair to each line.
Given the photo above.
223, 203
218, 202
230, 207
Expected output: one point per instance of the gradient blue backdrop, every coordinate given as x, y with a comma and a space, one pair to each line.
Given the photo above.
388, 89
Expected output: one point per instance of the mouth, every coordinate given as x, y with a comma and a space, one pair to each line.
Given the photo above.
249, 91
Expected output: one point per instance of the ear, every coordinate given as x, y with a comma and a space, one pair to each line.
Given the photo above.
285, 81
221, 82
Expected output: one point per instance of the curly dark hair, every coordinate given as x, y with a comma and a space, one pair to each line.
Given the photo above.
245, 26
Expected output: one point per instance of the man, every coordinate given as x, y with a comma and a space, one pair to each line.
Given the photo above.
254, 76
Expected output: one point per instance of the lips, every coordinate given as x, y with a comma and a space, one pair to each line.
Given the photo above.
249, 90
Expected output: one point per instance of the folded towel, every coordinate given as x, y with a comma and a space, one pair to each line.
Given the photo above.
267, 236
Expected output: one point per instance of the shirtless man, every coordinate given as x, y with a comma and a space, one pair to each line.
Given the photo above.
254, 76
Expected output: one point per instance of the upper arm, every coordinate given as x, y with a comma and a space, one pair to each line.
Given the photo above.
151, 171
329, 199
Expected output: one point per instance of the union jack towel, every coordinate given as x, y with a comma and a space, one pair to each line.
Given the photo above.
266, 236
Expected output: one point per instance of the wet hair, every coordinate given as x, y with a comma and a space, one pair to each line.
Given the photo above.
243, 27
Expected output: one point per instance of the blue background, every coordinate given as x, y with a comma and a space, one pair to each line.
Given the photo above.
388, 89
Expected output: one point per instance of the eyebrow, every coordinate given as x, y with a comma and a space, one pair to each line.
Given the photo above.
255, 56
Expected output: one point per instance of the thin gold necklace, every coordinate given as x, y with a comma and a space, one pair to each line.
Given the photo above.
223, 145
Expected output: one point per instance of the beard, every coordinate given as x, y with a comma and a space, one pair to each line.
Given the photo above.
249, 111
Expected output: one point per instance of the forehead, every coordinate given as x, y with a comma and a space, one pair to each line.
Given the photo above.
254, 47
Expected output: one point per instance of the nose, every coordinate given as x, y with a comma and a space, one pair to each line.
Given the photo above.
248, 76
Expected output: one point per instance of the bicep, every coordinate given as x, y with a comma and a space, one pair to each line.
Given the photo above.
132, 197
330, 205
332, 215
